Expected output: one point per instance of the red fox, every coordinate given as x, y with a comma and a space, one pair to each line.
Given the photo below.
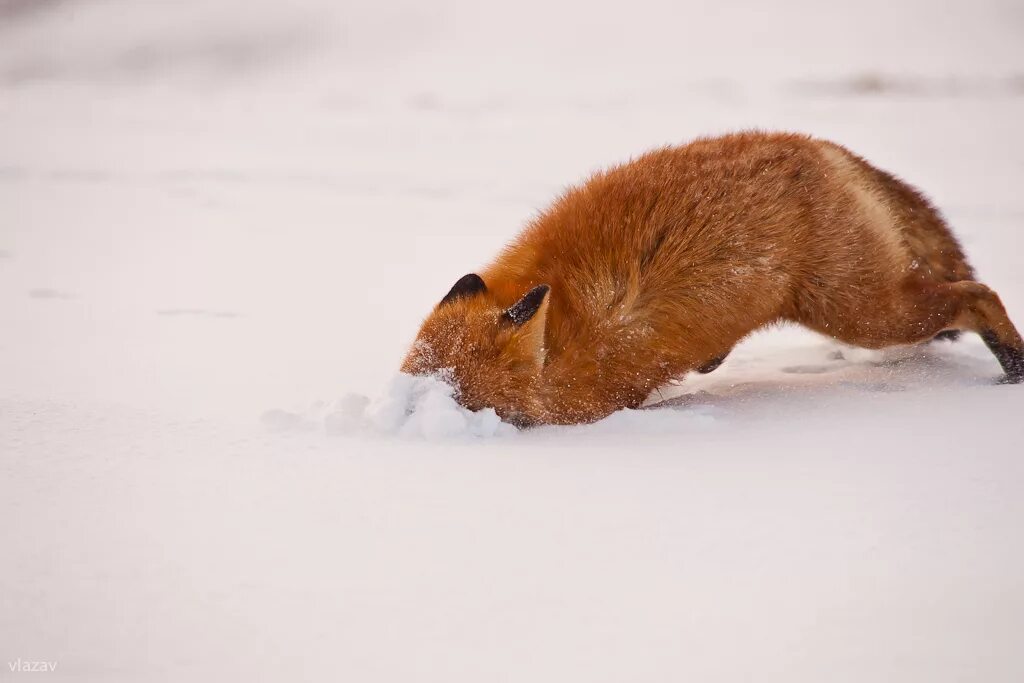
661, 265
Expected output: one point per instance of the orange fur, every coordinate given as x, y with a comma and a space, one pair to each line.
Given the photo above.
661, 265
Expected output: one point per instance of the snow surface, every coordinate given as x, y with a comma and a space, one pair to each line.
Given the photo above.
417, 407
221, 223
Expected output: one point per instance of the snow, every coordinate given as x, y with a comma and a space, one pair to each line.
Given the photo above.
221, 224
410, 406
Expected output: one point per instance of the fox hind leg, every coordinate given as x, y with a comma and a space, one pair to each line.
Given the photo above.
983, 312
924, 310
972, 306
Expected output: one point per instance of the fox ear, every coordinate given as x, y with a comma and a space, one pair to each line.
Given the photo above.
522, 311
468, 285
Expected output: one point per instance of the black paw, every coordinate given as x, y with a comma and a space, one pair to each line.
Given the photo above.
711, 365
1011, 358
947, 335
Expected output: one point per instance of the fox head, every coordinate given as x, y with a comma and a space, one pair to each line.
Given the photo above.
493, 355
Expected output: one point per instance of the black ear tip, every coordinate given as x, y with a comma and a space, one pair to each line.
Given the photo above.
468, 285
538, 293
471, 281
524, 309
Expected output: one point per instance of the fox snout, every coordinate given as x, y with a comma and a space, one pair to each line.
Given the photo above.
488, 345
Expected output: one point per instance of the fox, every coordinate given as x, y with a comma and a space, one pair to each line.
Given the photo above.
659, 266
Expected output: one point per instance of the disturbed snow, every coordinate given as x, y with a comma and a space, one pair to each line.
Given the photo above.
409, 406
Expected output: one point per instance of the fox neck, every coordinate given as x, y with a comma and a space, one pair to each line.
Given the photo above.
574, 388
585, 371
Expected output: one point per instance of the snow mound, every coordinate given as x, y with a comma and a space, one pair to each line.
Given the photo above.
415, 407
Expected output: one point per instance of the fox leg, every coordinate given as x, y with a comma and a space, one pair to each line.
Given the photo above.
918, 311
981, 311
711, 365
965, 305
947, 335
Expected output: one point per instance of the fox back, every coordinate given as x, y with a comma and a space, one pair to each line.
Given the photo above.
661, 265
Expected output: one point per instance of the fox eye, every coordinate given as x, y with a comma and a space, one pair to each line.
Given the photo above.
468, 285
